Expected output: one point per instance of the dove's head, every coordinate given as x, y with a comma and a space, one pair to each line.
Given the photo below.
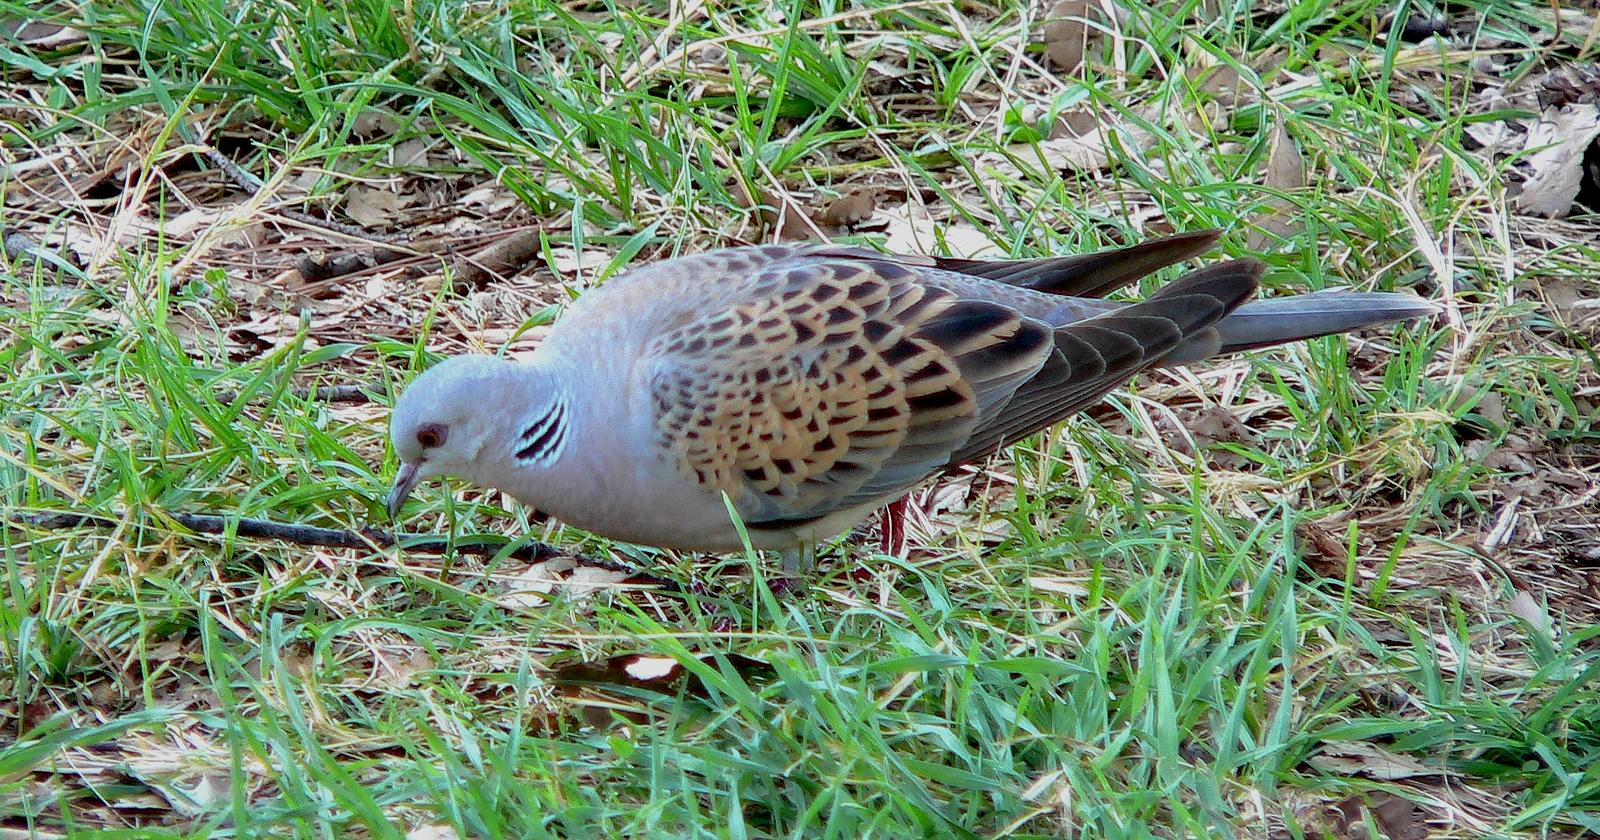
474, 417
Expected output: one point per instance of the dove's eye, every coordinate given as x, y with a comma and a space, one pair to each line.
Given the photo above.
431, 435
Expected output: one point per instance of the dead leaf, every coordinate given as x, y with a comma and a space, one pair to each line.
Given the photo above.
1493, 409
1511, 456
1065, 34
298, 660
779, 213
1563, 293
44, 36
393, 670
1078, 143
186, 224
890, 70
1073, 124
568, 262
374, 208
492, 200
209, 791
1059, 585
1561, 137
644, 670
1080, 153
785, 216
1395, 818
1398, 817
270, 330
1565, 296
1220, 80
1321, 551
531, 588
850, 209
911, 230
1286, 169
1286, 172
1269, 67
1215, 424
1523, 606
1569, 83
1204, 428
373, 123
1339, 53
1364, 758
412, 154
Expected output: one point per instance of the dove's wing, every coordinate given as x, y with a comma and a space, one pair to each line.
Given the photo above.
844, 377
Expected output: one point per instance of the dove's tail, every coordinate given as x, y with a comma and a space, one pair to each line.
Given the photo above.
1263, 323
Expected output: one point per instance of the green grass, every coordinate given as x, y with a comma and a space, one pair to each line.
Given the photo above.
1134, 626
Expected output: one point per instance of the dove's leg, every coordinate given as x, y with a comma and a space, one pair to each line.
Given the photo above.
892, 527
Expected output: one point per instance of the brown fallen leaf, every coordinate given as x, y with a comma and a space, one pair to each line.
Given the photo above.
1577, 82
505, 257
1511, 456
642, 670
606, 693
1087, 152
849, 209
1399, 818
1065, 34
908, 229
1321, 550
190, 222
1221, 81
1364, 758
785, 215
373, 208
1215, 424
373, 123
43, 36
1286, 172
1395, 818
410, 154
1074, 124
779, 213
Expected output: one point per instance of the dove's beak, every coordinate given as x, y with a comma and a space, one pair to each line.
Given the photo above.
405, 480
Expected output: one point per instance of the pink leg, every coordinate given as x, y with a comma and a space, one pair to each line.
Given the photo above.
893, 527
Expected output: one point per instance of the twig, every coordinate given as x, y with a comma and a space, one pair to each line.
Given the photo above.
511, 252
252, 185
503, 258
532, 552
322, 393
298, 534
321, 266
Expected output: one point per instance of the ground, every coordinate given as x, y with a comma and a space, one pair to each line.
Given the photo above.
1346, 588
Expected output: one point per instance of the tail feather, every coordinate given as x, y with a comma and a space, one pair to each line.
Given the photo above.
1090, 275
1263, 323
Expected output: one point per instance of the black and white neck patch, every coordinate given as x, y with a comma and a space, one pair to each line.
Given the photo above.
545, 437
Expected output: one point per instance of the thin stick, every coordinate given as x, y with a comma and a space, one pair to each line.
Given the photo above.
373, 538
252, 185
369, 538
322, 393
